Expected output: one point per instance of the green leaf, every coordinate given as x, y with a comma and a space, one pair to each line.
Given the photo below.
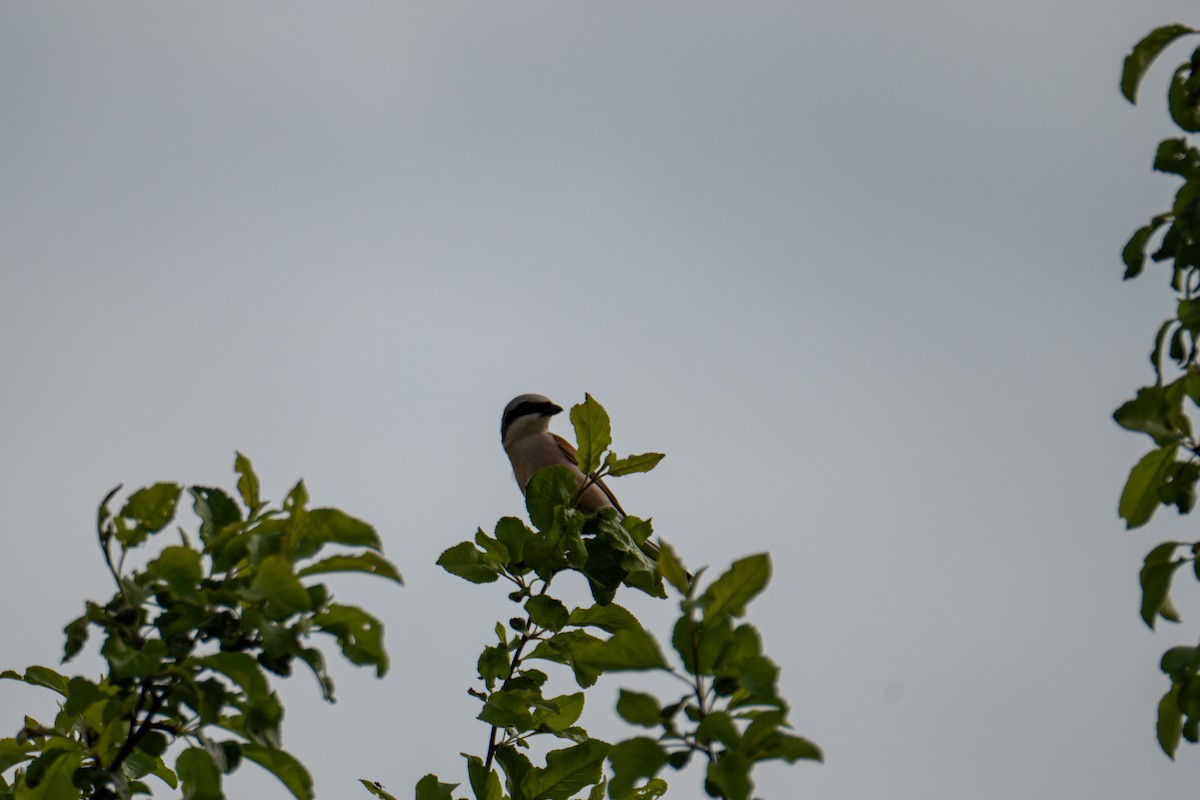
429, 788
369, 562
651, 790
1155, 578
485, 783
730, 593
39, 676
731, 774
242, 669
516, 766
631, 464
567, 648
788, 748
1175, 157
50, 775
672, 569
359, 635
331, 525
1140, 497
593, 433
1156, 355
1151, 413
567, 771
546, 612
153, 744
199, 774
569, 708
1180, 661
632, 759
13, 752
718, 726
640, 572
290, 772
1170, 721
625, 650
77, 632
215, 509
467, 561
127, 662
179, 566
1144, 53
512, 533
82, 694
376, 788
152, 508
166, 774
505, 709
316, 662
247, 484
610, 618
639, 709
1181, 100
549, 488
494, 663
275, 582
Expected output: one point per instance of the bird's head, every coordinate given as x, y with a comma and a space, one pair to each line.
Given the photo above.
526, 414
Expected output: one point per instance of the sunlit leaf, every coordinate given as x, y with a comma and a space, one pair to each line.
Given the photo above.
290, 772
430, 788
730, 593
549, 488
153, 508
247, 483
370, 563
567, 771
275, 582
593, 433
376, 788
338, 527
631, 464
466, 561
359, 635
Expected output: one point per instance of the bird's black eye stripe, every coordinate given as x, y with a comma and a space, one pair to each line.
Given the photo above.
522, 409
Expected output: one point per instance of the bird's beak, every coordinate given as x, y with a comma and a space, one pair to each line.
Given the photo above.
554, 409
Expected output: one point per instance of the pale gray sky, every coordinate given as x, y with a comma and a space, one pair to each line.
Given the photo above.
852, 265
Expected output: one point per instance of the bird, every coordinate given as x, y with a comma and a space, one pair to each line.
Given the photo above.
525, 433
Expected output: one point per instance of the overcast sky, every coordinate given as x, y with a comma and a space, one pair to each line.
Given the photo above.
854, 266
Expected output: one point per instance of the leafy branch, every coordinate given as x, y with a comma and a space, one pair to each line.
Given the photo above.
189, 641
1167, 475
731, 713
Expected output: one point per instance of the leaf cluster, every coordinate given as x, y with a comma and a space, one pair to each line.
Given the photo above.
1167, 475
190, 641
730, 714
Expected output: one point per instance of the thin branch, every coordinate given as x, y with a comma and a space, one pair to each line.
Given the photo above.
135, 735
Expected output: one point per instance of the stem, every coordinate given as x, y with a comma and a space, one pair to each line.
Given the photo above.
529, 635
136, 733
588, 482
696, 635
526, 638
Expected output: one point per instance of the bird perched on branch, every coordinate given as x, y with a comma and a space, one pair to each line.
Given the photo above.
525, 432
